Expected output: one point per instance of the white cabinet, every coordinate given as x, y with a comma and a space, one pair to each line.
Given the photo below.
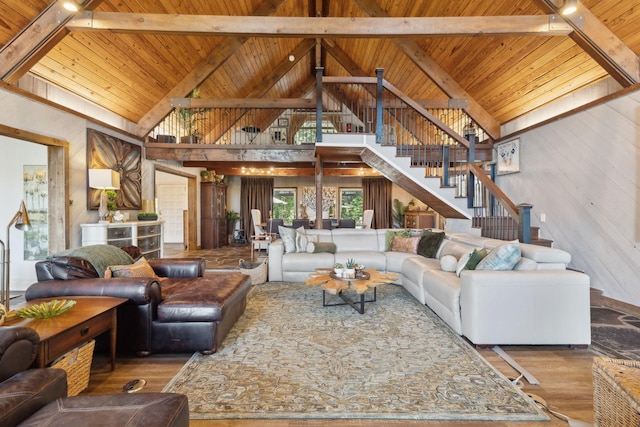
146, 235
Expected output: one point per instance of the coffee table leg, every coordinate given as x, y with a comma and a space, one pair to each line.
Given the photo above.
113, 333
356, 305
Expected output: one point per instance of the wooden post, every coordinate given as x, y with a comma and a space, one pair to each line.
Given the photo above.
524, 224
379, 119
319, 72
318, 193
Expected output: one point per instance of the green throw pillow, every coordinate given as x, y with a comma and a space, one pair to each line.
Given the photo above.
430, 243
391, 234
317, 247
470, 260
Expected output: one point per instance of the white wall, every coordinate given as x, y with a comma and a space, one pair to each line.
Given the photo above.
583, 172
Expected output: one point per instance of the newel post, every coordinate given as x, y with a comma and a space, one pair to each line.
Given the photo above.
319, 73
524, 223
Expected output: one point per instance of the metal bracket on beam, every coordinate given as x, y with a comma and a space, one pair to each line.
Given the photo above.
83, 19
181, 102
557, 22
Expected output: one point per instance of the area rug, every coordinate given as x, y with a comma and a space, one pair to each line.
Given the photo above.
615, 334
290, 357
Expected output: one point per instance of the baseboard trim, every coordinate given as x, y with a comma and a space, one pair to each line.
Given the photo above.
599, 300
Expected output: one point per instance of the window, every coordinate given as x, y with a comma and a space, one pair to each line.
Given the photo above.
284, 204
307, 132
351, 204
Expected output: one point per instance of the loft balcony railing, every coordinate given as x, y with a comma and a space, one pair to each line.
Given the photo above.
442, 139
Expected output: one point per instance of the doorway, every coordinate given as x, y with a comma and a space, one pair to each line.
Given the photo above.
176, 196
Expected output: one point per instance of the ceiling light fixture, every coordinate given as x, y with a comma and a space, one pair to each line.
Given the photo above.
570, 6
70, 6
292, 58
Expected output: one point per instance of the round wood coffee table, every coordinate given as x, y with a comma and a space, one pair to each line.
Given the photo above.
334, 285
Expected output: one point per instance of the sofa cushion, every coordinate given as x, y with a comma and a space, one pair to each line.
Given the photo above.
201, 299
391, 234
370, 259
140, 268
429, 243
405, 244
349, 239
504, 257
413, 267
306, 262
396, 259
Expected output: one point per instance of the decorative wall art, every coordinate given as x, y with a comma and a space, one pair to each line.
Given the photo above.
508, 157
108, 152
329, 199
36, 199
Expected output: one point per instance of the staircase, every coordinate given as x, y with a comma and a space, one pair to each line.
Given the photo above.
423, 152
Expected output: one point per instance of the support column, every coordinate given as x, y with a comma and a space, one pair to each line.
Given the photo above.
319, 73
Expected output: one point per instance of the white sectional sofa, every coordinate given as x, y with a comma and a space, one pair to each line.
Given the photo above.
540, 303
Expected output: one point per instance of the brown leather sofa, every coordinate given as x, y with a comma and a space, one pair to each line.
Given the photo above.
37, 397
184, 310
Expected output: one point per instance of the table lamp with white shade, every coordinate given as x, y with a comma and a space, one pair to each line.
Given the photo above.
104, 179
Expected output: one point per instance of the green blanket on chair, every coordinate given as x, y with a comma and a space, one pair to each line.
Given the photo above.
99, 256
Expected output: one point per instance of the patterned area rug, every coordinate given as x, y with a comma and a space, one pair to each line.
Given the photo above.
290, 357
615, 334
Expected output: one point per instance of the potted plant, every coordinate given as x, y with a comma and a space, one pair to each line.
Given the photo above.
350, 269
112, 196
190, 118
338, 268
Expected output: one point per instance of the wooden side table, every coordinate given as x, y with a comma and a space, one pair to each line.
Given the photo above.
90, 317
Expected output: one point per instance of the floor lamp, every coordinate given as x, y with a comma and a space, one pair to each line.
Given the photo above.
21, 221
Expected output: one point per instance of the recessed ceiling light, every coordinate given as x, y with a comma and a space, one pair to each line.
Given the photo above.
292, 58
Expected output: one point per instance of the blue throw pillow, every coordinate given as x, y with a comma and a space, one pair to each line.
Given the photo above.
504, 257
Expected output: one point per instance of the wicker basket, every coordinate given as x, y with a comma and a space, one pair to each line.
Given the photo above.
258, 271
77, 363
616, 392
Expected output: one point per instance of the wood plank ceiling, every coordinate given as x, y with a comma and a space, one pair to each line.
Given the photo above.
135, 73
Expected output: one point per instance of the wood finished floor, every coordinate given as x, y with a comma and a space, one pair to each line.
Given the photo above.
564, 374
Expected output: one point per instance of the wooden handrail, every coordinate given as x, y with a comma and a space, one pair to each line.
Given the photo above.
491, 186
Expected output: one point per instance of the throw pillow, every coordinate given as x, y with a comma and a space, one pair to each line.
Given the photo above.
317, 247
448, 263
140, 268
303, 239
391, 234
405, 244
429, 243
504, 257
288, 236
470, 260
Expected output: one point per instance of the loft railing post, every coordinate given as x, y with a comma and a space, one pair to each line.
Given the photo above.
524, 223
470, 135
379, 123
319, 73
492, 199
445, 165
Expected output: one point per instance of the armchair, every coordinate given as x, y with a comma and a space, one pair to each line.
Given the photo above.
35, 397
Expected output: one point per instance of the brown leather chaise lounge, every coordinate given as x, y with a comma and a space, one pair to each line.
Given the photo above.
37, 397
182, 310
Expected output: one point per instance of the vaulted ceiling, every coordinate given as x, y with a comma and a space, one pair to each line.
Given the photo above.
505, 58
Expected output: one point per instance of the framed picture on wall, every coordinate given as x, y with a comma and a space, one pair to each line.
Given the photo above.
508, 157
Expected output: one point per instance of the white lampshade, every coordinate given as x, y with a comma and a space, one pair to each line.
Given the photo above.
106, 179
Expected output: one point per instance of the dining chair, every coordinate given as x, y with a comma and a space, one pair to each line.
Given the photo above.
367, 218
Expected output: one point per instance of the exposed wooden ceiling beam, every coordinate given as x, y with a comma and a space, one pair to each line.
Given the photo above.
436, 73
36, 40
283, 103
306, 27
200, 73
599, 42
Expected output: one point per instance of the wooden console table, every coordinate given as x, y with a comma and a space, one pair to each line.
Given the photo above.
90, 317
